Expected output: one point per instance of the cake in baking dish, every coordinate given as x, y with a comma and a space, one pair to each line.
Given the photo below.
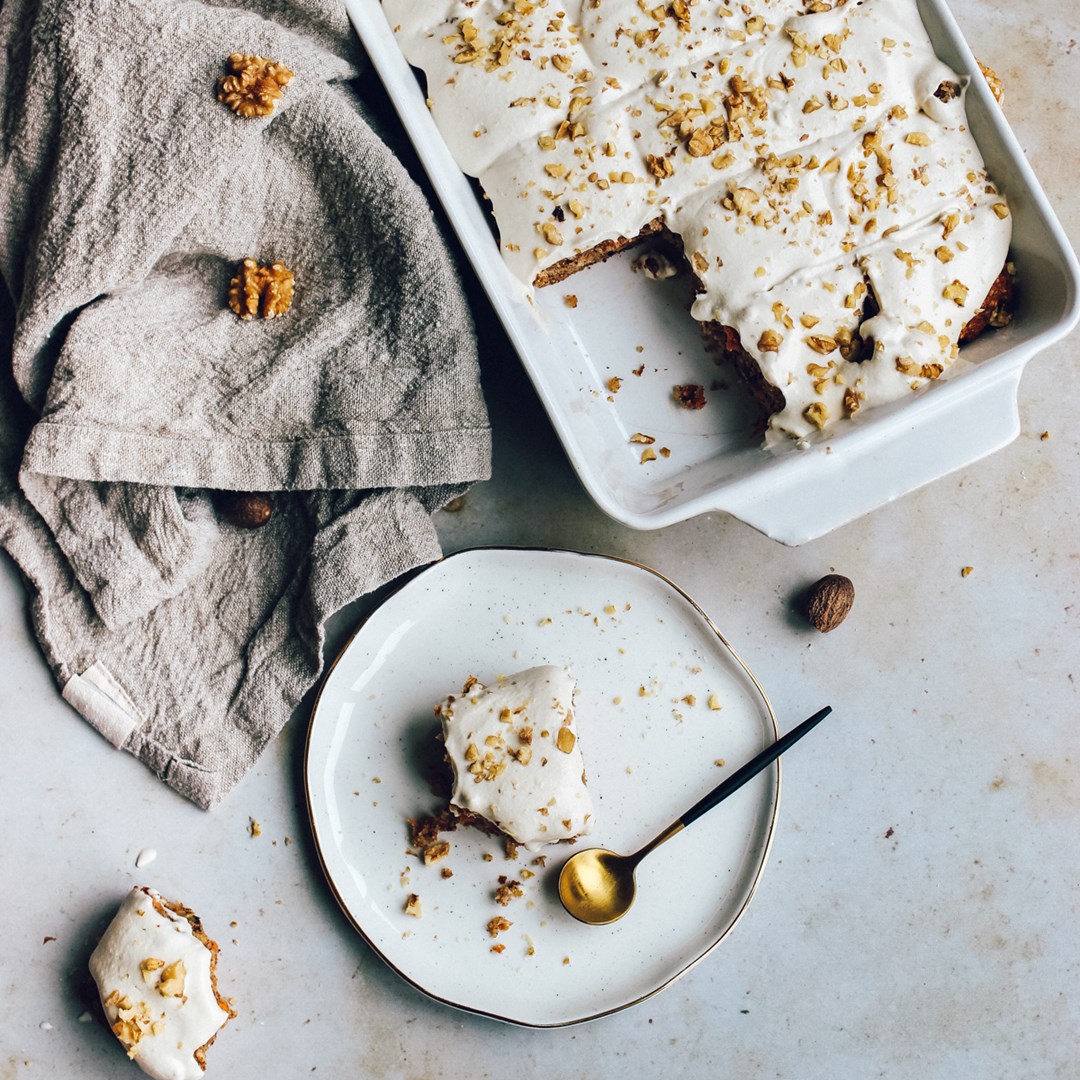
156, 973
811, 160
516, 758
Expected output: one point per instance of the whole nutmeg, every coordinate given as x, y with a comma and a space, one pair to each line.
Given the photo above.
245, 509
828, 601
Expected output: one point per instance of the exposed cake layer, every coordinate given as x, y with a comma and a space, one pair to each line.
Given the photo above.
516, 758
812, 158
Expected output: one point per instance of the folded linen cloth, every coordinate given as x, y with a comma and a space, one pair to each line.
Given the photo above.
128, 197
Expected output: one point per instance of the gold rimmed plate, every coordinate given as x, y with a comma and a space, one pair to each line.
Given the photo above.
664, 708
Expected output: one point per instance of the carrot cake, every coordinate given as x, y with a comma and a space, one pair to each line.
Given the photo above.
812, 159
155, 970
516, 757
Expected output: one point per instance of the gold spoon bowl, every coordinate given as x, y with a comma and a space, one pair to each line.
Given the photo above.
597, 886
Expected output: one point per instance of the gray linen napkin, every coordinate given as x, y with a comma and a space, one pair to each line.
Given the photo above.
128, 196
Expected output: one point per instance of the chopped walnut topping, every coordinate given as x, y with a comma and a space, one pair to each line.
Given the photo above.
254, 84
822, 343
660, 167
956, 291
261, 290
947, 91
817, 413
770, 341
133, 1021
171, 983
565, 740
149, 966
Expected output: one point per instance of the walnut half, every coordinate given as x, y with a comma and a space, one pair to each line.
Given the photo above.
254, 84
261, 290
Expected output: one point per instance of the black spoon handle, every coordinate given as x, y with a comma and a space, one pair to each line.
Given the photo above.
753, 767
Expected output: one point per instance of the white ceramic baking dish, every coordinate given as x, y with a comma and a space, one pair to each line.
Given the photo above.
622, 320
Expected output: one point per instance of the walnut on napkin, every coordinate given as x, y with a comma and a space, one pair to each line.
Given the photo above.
254, 84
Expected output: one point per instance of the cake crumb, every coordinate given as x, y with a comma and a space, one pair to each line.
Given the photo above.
965, 571
689, 395
508, 890
254, 828
570, 300
434, 852
412, 906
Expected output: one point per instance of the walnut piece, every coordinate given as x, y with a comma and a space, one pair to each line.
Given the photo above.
261, 290
254, 84
133, 1021
171, 983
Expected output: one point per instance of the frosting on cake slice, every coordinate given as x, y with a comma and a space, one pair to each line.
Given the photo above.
155, 972
516, 757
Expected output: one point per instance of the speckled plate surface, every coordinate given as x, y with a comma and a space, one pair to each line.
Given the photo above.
647, 660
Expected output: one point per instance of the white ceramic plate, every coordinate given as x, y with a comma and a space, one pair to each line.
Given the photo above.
638, 646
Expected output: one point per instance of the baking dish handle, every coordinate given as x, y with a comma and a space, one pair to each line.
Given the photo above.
832, 484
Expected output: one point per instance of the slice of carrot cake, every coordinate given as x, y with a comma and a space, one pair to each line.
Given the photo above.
156, 973
516, 757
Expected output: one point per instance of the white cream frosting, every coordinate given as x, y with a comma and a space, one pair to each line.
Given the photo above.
797, 148
516, 756
153, 976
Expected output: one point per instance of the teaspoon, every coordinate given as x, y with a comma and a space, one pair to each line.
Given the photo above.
597, 886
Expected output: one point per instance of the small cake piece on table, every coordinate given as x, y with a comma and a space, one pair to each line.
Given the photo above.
155, 970
516, 758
